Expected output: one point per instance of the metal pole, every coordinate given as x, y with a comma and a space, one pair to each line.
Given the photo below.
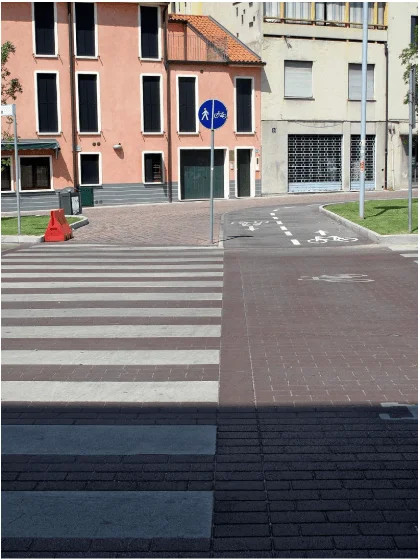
211, 174
17, 173
411, 125
363, 119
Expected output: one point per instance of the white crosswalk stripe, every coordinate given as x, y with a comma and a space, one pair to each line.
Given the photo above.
93, 316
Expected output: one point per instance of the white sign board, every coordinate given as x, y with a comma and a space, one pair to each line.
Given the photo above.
7, 110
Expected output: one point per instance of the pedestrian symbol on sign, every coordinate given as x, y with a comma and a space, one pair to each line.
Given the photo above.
205, 114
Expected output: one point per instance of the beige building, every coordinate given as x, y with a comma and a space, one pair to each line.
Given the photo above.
311, 90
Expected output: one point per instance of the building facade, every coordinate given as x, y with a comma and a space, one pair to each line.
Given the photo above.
110, 99
311, 91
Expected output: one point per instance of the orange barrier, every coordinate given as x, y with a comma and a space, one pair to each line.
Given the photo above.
58, 229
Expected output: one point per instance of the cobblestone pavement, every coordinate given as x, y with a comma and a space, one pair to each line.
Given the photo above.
187, 223
294, 453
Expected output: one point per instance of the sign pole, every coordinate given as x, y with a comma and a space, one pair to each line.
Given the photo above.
411, 125
363, 116
211, 173
17, 174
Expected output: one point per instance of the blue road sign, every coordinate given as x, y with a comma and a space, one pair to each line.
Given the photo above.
212, 114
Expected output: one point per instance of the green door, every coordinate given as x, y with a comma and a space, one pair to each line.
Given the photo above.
243, 163
195, 174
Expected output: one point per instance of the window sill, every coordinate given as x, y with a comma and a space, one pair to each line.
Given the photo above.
153, 183
90, 133
300, 98
82, 185
27, 190
252, 132
87, 57
49, 133
159, 59
196, 133
359, 100
153, 133
45, 55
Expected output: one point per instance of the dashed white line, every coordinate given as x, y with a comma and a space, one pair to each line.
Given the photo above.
288, 233
272, 214
295, 242
279, 222
283, 228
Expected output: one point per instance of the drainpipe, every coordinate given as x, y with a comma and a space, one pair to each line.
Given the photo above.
386, 116
73, 96
168, 100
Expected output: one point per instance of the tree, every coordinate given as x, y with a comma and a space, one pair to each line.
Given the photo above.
10, 87
409, 58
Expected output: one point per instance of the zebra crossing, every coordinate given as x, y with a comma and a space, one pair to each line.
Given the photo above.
407, 252
89, 325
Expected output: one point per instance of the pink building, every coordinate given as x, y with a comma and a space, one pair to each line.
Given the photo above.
110, 98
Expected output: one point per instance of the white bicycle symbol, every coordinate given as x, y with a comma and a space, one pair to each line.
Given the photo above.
334, 238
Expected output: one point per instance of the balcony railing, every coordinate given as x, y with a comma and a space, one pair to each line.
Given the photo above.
185, 47
327, 14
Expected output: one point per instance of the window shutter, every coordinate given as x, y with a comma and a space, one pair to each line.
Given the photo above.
244, 105
149, 32
355, 81
151, 104
297, 79
6, 177
187, 104
85, 29
88, 103
47, 103
35, 173
89, 172
44, 28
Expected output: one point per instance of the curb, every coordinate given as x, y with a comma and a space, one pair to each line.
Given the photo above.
35, 239
403, 239
221, 228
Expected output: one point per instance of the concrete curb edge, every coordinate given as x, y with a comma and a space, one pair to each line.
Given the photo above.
40, 239
368, 233
221, 243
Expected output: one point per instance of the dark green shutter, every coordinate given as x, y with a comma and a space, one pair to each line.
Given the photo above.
151, 104
88, 103
47, 102
89, 168
44, 28
187, 107
195, 174
244, 105
243, 162
149, 32
85, 29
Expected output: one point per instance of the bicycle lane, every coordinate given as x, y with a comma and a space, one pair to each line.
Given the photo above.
286, 227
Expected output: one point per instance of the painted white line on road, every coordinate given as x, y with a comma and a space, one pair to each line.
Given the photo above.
295, 242
115, 267
272, 214
108, 439
122, 284
102, 260
134, 392
279, 222
288, 233
283, 228
114, 296
103, 275
107, 514
114, 331
410, 255
113, 312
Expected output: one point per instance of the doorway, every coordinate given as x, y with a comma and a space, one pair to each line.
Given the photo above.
243, 172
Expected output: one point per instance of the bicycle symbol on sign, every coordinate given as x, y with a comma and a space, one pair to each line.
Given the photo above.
334, 238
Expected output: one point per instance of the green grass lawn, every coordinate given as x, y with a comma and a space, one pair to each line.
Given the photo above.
386, 217
30, 224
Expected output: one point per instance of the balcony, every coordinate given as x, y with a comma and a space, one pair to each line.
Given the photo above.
188, 47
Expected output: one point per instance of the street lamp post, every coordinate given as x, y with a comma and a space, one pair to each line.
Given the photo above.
363, 118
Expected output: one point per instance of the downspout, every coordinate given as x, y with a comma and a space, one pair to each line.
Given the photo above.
168, 100
73, 96
386, 115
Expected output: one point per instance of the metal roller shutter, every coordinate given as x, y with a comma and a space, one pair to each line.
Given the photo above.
369, 163
195, 174
315, 163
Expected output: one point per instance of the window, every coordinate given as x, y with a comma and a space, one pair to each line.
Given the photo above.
85, 23
89, 165
149, 32
152, 104
297, 10
330, 11
355, 82
356, 13
35, 173
6, 174
187, 104
47, 103
153, 168
244, 105
298, 79
44, 17
88, 103
271, 9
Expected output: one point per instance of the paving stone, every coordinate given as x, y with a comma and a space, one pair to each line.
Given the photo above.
364, 542
242, 544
